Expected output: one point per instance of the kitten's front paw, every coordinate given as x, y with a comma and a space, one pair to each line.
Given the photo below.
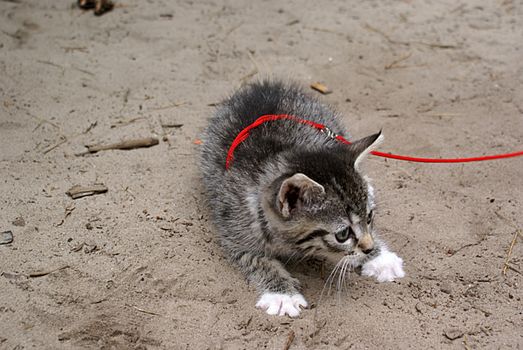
385, 267
281, 304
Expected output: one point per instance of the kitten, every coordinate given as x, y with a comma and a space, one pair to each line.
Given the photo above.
291, 191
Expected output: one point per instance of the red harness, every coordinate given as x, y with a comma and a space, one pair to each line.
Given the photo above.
242, 136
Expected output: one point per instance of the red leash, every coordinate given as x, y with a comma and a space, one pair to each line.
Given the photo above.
242, 136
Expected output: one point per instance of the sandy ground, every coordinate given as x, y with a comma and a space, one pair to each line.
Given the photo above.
139, 268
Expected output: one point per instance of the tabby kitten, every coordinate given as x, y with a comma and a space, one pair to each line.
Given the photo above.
291, 191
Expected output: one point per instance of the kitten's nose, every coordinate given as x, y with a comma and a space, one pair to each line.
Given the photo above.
366, 243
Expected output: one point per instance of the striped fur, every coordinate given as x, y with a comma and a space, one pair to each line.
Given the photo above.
290, 188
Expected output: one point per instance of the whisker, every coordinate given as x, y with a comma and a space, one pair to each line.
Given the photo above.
330, 279
341, 280
329, 282
346, 275
338, 284
340, 274
290, 257
305, 256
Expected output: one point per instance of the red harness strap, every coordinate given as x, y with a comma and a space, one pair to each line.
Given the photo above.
242, 136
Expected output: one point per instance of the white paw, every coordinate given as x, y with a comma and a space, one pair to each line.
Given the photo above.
281, 304
385, 267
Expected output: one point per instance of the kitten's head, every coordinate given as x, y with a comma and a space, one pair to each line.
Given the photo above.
324, 206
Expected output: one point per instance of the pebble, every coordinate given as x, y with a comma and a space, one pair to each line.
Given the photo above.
6, 237
445, 288
19, 221
89, 248
420, 308
11, 276
453, 333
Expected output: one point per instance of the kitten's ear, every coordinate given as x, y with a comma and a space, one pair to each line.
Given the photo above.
364, 146
296, 192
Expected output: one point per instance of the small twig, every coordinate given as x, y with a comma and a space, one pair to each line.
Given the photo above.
90, 127
174, 105
465, 344
44, 273
130, 192
233, 28
249, 75
452, 252
38, 125
65, 68
510, 267
325, 30
318, 325
394, 63
77, 247
251, 57
98, 301
68, 210
408, 43
64, 140
290, 339
388, 38
83, 71
126, 95
125, 122
443, 114
68, 49
42, 120
509, 253
171, 125
51, 64
144, 311
485, 312
253, 60
437, 45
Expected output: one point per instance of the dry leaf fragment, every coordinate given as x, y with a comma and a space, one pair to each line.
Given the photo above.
78, 191
290, 339
321, 88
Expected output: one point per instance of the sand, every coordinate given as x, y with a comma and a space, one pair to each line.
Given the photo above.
138, 267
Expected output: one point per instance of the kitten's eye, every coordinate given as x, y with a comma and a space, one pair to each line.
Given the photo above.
369, 218
344, 235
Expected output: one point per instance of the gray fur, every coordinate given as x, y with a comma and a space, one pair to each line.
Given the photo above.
246, 201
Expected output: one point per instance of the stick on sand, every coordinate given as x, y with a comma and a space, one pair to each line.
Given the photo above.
124, 145
509, 253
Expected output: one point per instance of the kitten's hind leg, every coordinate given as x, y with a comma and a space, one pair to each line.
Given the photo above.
280, 291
